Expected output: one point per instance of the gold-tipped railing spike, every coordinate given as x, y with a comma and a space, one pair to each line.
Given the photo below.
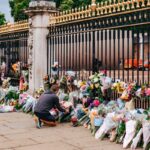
148, 3
118, 6
86, 11
82, 14
132, 4
97, 9
128, 5
110, 6
89, 11
93, 5
72, 14
114, 6
143, 3
123, 5
137, 3
105, 7
75, 15
21, 25
101, 10
79, 14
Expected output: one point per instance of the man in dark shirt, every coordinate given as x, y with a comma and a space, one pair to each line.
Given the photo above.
46, 102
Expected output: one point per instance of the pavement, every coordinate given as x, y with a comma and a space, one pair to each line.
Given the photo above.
18, 132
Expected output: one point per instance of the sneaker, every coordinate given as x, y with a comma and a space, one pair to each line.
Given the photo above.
38, 124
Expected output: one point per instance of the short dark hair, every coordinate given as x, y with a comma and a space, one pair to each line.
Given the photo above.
54, 88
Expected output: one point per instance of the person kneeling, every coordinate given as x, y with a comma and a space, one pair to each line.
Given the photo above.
46, 102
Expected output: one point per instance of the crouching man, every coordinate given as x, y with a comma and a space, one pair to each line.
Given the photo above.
46, 102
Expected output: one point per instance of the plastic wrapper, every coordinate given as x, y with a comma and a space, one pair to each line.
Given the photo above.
23, 98
29, 105
120, 103
146, 133
113, 135
2, 94
130, 132
137, 139
102, 109
73, 97
71, 73
138, 114
106, 82
107, 125
93, 114
130, 105
62, 95
5, 109
98, 121
138, 92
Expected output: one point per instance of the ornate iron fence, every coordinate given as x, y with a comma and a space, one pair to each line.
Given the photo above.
111, 36
13, 48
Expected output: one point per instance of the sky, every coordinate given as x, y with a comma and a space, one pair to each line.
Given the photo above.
4, 8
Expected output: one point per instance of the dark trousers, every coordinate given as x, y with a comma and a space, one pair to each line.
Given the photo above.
45, 116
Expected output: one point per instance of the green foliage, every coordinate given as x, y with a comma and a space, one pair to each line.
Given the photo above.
69, 4
17, 9
2, 19
66, 4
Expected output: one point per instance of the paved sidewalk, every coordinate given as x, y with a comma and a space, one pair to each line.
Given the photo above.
18, 132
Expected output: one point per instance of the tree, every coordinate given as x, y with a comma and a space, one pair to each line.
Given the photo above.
18, 6
66, 5
2, 19
69, 4
17, 9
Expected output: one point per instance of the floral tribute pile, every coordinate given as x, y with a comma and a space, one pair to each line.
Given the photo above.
90, 105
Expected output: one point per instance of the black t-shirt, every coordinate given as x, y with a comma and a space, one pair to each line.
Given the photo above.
46, 102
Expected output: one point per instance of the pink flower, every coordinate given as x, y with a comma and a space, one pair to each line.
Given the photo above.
147, 92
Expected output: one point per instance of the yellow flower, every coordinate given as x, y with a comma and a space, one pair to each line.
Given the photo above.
92, 86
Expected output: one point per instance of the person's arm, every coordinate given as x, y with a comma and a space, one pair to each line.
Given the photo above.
58, 105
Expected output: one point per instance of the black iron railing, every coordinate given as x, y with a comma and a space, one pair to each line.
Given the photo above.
13, 48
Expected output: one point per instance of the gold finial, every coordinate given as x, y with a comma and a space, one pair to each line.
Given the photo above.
138, 5
132, 4
82, 12
76, 10
143, 3
105, 10
93, 5
148, 3
114, 6
123, 8
101, 10
128, 5
110, 6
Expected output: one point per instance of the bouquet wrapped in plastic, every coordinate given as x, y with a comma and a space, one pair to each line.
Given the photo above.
137, 139
5, 109
30, 104
130, 132
146, 133
107, 126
